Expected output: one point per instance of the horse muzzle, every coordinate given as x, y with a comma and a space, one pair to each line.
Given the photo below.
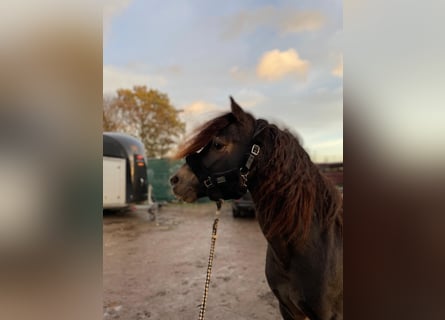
185, 185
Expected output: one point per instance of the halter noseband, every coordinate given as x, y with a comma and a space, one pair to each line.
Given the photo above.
230, 184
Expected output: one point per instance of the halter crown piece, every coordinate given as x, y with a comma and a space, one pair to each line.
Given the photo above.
230, 184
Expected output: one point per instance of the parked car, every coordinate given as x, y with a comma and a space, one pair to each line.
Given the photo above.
243, 207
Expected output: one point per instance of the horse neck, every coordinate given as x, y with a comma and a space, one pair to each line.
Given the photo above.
287, 188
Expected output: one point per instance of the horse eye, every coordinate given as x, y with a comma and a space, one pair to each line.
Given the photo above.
218, 146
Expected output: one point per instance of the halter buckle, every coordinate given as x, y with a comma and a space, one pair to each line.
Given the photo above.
255, 150
208, 182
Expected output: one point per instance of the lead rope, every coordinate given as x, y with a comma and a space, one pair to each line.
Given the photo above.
209, 265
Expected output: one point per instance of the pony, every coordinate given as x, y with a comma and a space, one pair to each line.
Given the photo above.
300, 212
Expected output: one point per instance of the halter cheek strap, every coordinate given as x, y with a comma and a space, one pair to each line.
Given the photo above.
254, 151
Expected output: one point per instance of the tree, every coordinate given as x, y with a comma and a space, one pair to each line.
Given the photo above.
109, 115
147, 114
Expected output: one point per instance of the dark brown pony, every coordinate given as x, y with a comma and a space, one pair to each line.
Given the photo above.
298, 209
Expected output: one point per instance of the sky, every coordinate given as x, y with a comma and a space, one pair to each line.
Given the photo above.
280, 60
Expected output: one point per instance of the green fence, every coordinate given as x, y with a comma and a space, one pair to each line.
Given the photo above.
159, 172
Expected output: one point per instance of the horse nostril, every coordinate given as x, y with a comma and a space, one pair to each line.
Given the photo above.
174, 180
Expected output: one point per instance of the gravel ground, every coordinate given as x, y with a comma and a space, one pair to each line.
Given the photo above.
154, 267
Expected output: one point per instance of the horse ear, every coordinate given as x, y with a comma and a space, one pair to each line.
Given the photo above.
237, 111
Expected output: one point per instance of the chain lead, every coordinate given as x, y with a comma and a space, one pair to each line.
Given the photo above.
210, 263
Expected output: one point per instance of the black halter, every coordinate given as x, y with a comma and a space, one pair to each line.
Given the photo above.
230, 184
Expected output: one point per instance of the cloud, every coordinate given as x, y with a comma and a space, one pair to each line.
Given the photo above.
301, 21
338, 70
284, 20
197, 113
111, 9
248, 98
138, 66
115, 78
277, 64
199, 107
239, 74
172, 69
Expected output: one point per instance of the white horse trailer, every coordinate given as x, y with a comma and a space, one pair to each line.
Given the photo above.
114, 175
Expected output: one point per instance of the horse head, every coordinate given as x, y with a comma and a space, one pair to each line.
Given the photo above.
218, 158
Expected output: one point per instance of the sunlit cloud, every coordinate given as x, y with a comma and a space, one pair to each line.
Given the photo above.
116, 78
284, 20
277, 64
197, 113
199, 107
338, 70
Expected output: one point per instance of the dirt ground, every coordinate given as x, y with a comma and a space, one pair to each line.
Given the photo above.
155, 268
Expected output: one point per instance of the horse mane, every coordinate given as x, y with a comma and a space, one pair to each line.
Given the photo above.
292, 191
202, 135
